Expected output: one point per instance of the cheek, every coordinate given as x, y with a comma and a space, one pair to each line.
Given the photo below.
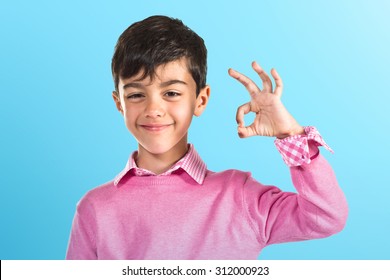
130, 117
184, 112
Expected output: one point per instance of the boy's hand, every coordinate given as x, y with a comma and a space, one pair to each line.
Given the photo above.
272, 118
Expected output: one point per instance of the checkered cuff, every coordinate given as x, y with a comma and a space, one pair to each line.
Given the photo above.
295, 149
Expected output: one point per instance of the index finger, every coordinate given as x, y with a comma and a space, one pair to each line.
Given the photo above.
245, 81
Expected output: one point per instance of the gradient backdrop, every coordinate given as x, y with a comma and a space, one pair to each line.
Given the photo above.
61, 134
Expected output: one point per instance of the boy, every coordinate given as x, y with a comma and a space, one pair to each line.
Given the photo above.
165, 204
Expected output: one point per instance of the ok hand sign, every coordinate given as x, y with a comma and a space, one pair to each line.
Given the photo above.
272, 118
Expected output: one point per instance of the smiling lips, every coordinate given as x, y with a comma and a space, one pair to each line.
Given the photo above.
155, 127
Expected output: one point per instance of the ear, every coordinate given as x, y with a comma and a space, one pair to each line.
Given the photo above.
117, 101
202, 100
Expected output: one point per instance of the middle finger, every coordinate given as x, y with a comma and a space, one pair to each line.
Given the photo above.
267, 83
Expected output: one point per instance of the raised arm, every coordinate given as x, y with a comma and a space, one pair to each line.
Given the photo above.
319, 207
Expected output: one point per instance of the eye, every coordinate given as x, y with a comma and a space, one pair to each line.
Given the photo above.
172, 94
135, 96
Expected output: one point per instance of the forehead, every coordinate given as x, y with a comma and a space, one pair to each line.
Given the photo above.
174, 70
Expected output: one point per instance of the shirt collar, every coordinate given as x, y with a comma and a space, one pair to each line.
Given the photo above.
191, 163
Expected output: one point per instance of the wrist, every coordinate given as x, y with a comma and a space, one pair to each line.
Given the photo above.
299, 130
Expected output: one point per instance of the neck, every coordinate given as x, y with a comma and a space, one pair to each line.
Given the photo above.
159, 163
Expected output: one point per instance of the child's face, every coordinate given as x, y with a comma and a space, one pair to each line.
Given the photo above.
158, 111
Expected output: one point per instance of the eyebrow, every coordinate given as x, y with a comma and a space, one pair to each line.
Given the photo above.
163, 84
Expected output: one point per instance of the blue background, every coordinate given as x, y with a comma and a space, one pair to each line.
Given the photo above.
61, 134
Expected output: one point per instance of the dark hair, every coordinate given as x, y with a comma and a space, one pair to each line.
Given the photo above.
155, 41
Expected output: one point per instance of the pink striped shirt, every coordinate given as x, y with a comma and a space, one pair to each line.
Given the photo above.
190, 163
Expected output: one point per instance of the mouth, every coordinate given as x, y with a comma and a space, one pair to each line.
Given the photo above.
155, 127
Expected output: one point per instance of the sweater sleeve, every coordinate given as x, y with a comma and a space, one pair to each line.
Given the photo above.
317, 210
82, 242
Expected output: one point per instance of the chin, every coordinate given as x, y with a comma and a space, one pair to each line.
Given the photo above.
161, 147
156, 149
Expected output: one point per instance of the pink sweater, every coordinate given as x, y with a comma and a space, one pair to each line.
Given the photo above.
229, 216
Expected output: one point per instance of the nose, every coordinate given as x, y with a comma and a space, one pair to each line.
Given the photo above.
154, 109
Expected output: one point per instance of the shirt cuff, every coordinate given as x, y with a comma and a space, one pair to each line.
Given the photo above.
295, 149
